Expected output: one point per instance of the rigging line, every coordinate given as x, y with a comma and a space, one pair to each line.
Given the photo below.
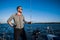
30, 11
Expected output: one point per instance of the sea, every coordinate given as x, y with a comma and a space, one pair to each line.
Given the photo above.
43, 29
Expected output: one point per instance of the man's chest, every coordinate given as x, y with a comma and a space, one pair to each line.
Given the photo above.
18, 18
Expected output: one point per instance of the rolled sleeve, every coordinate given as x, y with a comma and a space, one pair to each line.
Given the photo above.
10, 19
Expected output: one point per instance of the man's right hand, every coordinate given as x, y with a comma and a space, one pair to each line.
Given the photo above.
10, 24
14, 25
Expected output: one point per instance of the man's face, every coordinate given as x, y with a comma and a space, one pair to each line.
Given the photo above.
20, 9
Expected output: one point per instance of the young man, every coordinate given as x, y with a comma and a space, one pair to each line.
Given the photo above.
18, 24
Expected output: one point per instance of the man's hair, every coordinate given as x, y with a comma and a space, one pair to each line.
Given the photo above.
18, 7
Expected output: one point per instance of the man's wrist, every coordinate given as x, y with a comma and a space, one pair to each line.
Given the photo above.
12, 25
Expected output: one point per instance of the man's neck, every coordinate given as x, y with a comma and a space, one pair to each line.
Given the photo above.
19, 14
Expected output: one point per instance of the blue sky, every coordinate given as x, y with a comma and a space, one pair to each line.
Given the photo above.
33, 10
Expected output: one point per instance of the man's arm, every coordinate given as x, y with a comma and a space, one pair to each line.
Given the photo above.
9, 21
26, 21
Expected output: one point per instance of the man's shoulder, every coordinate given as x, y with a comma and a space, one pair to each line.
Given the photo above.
14, 14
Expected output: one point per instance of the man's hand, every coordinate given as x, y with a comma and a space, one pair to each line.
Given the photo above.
29, 22
14, 25
11, 24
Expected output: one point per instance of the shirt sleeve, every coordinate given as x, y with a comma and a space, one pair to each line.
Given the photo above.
24, 20
10, 19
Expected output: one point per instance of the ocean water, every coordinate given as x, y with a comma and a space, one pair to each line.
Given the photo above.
7, 32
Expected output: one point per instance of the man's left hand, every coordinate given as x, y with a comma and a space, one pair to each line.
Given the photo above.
29, 22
